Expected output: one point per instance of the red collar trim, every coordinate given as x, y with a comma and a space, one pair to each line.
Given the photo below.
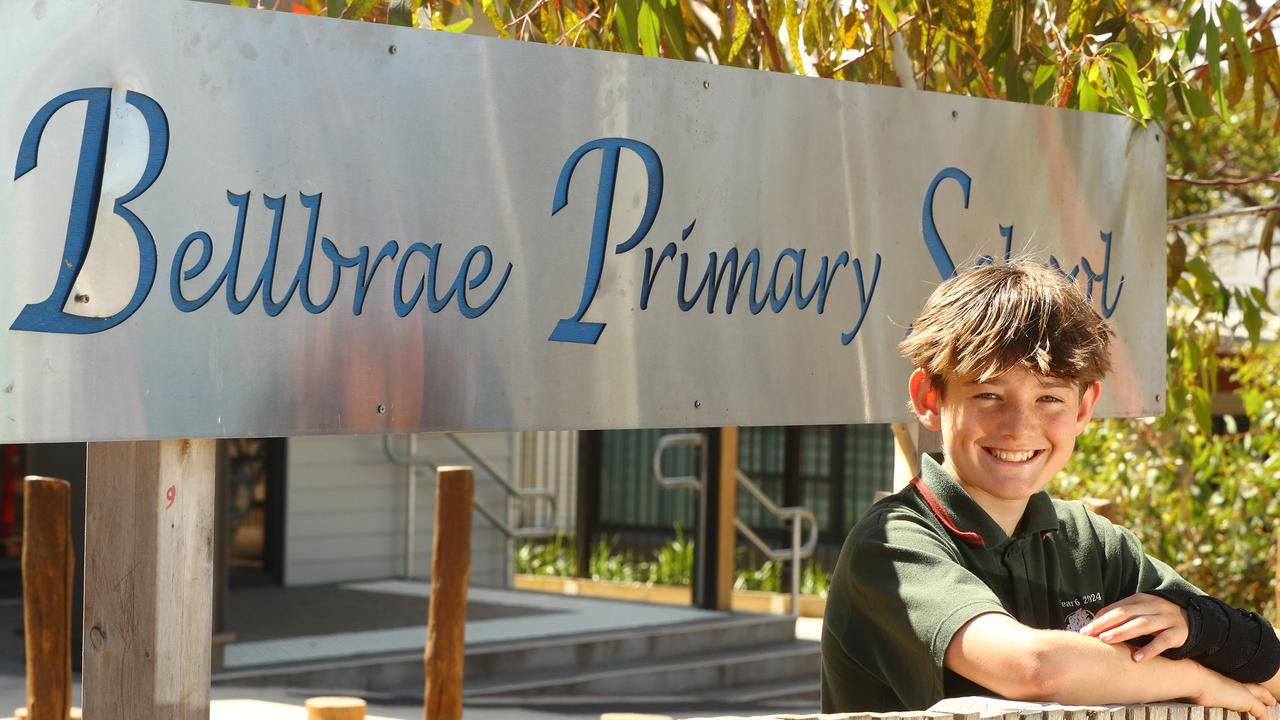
943, 516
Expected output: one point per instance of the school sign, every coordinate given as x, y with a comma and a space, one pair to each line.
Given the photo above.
223, 222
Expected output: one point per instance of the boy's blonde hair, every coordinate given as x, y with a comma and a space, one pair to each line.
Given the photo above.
992, 318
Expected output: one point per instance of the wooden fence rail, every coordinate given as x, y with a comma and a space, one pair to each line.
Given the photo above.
995, 711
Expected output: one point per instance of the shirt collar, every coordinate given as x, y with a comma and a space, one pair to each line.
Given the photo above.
966, 520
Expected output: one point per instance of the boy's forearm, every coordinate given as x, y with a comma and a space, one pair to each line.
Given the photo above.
1024, 663
1079, 670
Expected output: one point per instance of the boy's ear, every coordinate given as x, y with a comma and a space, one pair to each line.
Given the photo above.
1088, 400
925, 400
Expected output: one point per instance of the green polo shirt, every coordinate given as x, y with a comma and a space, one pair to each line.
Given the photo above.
928, 559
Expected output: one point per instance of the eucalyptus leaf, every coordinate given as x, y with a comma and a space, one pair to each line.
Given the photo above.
673, 29
1236, 75
459, 26
981, 23
649, 27
1259, 84
1175, 260
1215, 64
1252, 318
1043, 74
1197, 102
741, 26
1195, 33
625, 20
1088, 93
402, 12
490, 9
1234, 25
360, 9
886, 10
793, 35
1159, 96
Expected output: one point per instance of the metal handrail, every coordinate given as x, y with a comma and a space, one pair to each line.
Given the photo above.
412, 461
783, 513
688, 481
670, 441
519, 492
796, 515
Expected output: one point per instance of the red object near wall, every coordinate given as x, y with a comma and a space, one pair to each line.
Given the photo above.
10, 491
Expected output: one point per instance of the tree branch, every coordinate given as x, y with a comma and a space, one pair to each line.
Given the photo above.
761, 21
1224, 182
1234, 212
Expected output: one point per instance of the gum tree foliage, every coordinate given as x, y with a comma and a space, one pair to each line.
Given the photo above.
1207, 71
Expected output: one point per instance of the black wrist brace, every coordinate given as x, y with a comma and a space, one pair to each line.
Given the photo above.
1236, 643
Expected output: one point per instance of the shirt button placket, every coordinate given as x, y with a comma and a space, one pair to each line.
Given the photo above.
1015, 564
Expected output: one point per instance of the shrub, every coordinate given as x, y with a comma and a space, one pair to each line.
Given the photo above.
1204, 503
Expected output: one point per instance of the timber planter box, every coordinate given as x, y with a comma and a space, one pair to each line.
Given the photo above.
743, 600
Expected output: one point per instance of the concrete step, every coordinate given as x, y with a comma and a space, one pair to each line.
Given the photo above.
804, 689
493, 662
686, 676
506, 660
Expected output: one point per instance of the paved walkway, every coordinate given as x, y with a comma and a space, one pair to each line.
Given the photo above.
276, 625
325, 622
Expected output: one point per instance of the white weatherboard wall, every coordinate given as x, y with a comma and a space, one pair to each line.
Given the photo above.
345, 509
548, 460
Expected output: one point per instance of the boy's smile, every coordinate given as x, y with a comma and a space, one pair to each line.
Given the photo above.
1006, 438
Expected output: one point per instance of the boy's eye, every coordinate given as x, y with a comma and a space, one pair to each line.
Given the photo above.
986, 396
1051, 398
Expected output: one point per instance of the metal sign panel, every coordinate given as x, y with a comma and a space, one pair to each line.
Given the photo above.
224, 222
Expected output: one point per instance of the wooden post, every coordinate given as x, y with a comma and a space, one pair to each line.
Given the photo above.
48, 573
447, 615
221, 555
587, 508
725, 504
148, 579
335, 708
906, 457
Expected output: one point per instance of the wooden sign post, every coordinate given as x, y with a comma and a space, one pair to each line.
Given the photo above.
48, 572
148, 601
725, 505
450, 572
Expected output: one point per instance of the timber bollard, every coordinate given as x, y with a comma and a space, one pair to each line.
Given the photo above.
335, 708
48, 574
21, 714
447, 616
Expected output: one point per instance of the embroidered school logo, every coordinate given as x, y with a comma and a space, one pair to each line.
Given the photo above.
1078, 619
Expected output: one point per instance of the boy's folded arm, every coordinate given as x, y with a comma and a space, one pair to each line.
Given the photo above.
1274, 683
1023, 663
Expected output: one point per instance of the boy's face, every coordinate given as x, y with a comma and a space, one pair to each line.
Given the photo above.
1006, 438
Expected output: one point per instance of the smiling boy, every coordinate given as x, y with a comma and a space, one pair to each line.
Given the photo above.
973, 581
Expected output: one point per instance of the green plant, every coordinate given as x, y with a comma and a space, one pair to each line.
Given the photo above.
609, 565
766, 577
814, 579
673, 564
554, 558
1206, 504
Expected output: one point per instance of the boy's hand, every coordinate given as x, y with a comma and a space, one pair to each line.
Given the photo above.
1139, 615
1219, 691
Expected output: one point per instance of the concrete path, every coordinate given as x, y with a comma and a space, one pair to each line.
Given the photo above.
318, 622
